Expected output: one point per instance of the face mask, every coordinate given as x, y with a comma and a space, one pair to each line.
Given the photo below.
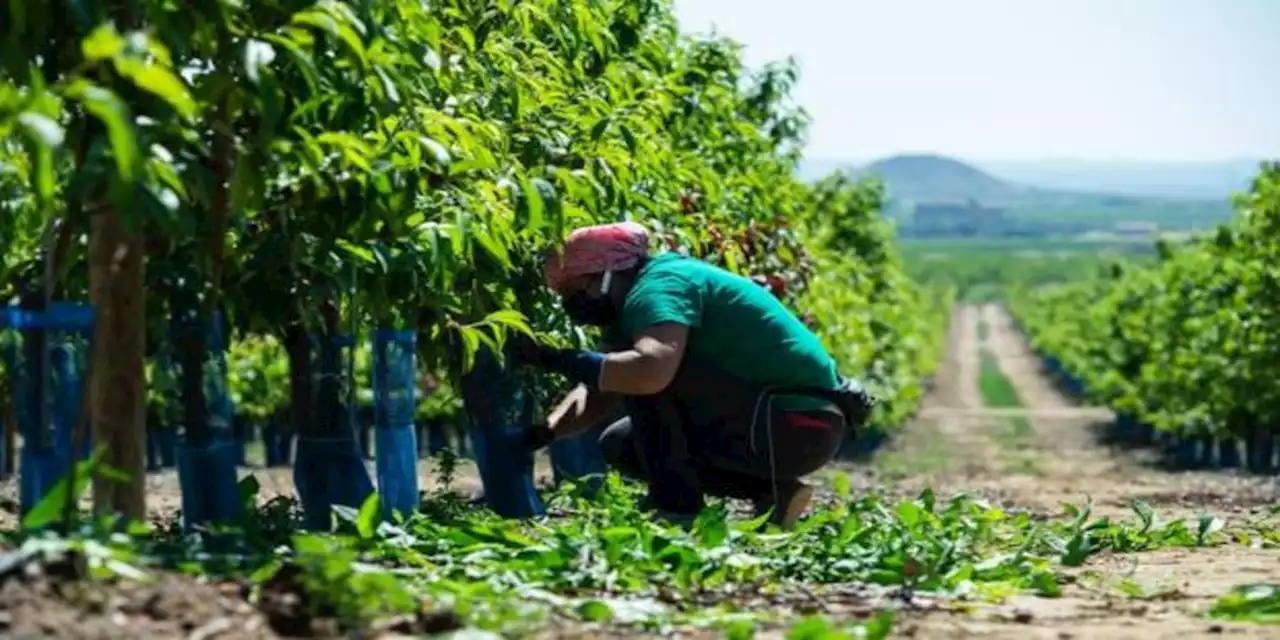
596, 311
589, 310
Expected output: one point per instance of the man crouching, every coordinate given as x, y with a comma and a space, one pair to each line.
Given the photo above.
726, 393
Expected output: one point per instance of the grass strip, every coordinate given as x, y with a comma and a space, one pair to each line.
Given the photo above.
996, 389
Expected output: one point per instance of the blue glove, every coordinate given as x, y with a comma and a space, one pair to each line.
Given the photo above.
576, 364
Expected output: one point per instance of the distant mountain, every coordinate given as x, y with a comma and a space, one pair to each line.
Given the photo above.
929, 175
932, 178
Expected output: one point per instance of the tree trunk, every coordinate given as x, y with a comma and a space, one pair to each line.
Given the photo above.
329, 403
117, 392
192, 354
298, 348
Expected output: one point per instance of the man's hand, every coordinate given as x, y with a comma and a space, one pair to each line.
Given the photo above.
527, 351
578, 365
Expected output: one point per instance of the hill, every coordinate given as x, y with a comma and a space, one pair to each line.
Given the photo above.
913, 178
929, 177
1183, 180
922, 178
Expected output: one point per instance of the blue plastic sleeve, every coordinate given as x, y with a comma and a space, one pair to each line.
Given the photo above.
506, 467
395, 438
60, 316
207, 477
329, 471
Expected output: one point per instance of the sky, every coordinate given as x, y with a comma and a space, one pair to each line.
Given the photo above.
1165, 80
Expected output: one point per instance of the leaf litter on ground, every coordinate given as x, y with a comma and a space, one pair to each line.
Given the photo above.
601, 561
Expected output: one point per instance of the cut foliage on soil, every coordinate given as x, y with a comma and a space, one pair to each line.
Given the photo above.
999, 525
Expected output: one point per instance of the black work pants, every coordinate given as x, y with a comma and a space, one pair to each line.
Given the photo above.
697, 438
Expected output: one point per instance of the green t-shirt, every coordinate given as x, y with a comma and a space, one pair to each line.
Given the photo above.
734, 325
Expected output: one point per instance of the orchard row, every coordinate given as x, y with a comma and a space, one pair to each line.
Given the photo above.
326, 169
1187, 347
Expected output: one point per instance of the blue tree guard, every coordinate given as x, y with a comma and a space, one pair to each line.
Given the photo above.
206, 458
46, 449
499, 410
394, 438
1228, 452
70, 362
329, 465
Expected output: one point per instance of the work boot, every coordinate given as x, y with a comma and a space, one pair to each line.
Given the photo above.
793, 499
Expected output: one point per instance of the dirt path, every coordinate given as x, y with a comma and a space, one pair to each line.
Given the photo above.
1044, 454
947, 443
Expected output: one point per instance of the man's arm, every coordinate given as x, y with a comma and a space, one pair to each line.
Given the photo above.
649, 365
646, 368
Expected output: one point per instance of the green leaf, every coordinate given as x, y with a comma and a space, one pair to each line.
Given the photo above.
54, 503
439, 153
739, 630
363, 254
107, 107
159, 81
1206, 526
492, 247
103, 43
248, 488
301, 59
41, 128
45, 135
879, 627
711, 527
910, 514
1259, 603
533, 204
508, 319
595, 611
340, 29
246, 185
600, 128
629, 138
367, 520
843, 487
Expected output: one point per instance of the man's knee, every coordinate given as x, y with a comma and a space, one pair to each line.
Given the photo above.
618, 443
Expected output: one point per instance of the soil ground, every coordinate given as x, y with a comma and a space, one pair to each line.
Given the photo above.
1050, 457
1034, 457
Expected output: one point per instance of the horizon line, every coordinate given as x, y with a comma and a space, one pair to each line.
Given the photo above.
1050, 158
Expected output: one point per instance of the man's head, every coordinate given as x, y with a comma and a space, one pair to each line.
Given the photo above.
596, 269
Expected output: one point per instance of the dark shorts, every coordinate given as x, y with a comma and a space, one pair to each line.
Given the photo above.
709, 433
